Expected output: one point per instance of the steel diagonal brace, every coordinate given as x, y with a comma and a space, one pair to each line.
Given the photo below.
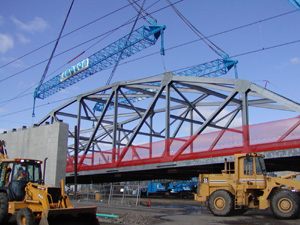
203, 96
85, 109
139, 126
188, 102
222, 132
97, 127
204, 125
184, 114
175, 118
289, 131
72, 135
153, 94
133, 107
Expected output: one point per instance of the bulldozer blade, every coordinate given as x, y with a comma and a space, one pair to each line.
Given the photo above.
72, 216
44, 221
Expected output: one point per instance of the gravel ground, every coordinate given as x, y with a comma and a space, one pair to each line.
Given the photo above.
175, 212
184, 212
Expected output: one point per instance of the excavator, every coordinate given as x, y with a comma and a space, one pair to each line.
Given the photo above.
244, 184
24, 194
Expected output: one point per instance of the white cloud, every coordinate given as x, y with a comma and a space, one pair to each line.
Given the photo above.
295, 60
6, 43
23, 39
37, 24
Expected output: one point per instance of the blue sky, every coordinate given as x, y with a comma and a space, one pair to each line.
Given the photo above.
26, 25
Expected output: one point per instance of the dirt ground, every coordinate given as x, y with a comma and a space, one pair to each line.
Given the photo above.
174, 212
183, 212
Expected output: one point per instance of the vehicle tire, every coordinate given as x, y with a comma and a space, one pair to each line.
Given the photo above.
25, 217
3, 207
285, 204
220, 203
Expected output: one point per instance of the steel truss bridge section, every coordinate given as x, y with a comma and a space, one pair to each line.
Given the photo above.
167, 119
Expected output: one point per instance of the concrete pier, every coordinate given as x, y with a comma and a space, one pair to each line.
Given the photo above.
38, 143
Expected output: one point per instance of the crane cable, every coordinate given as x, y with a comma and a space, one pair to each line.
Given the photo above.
144, 13
237, 55
52, 54
21, 94
106, 34
208, 42
65, 35
127, 40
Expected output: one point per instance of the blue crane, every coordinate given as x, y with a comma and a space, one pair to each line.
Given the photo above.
214, 68
295, 3
139, 39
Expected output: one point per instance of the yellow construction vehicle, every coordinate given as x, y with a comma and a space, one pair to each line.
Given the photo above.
243, 184
24, 194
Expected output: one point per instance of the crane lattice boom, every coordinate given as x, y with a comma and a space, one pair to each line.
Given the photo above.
140, 39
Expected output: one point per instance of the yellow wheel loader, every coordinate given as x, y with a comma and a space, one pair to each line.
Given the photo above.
243, 184
24, 194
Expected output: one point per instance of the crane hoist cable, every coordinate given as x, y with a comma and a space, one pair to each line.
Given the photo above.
107, 34
151, 20
145, 15
52, 54
126, 43
99, 105
225, 64
215, 68
208, 42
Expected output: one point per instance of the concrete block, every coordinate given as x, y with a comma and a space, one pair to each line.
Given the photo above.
38, 143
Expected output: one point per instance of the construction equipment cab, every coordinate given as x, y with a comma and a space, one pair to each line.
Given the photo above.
16, 174
24, 194
243, 184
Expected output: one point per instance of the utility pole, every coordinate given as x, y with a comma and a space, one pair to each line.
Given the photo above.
76, 142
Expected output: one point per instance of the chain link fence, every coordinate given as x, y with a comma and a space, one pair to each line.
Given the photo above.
125, 194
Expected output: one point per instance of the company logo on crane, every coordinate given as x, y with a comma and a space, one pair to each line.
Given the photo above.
83, 65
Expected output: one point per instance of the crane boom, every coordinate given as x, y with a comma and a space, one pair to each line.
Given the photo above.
140, 39
296, 3
214, 68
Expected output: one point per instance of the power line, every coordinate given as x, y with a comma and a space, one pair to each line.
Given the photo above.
67, 34
267, 48
237, 55
78, 45
38, 106
112, 31
196, 40
52, 54
231, 56
106, 35
22, 93
182, 44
